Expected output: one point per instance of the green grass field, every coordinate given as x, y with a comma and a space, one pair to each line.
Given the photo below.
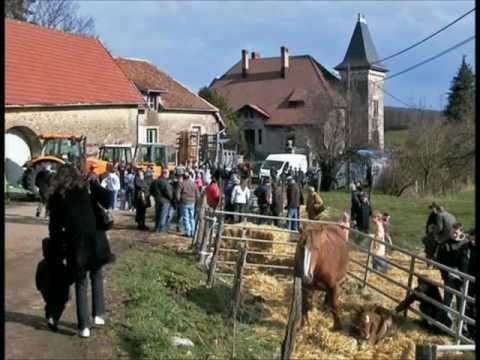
409, 214
167, 297
395, 137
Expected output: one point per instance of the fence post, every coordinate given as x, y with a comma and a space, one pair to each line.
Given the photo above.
425, 352
200, 223
213, 264
237, 284
462, 309
205, 240
369, 255
237, 288
410, 280
202, 233
293, 319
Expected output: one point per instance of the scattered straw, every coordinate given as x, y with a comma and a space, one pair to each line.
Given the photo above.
319, 341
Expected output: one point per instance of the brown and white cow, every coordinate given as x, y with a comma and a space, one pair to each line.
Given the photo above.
321, 260
374, 323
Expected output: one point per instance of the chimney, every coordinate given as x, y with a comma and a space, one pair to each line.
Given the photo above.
244, 62
285, 61
255, 55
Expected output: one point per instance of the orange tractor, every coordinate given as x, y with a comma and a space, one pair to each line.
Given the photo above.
57, 149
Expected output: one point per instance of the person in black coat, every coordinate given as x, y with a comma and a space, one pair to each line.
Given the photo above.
73, 220
141, 199
162, 191
277, 202
432, 218
454, 253
53, 281
426, 287
361, 217
264, 198
294, 200
42, 181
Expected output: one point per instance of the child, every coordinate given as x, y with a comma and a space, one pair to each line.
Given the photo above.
386, 228
52, 281
378, 247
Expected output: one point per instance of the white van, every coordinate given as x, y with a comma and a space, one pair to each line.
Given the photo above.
281, 162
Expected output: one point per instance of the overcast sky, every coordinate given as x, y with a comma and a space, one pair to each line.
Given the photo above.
195, 41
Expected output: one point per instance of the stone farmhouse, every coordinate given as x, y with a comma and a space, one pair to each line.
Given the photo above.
57, 82
171, 107
273, 97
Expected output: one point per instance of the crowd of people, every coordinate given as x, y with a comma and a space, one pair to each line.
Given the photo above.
76, 202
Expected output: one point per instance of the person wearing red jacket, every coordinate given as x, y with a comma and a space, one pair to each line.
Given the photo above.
213, 193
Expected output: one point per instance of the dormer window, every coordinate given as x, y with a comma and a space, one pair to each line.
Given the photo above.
152, 100
296, 103
297, 98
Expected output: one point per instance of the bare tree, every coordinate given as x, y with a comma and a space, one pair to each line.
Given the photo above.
437, 155
396, 176
61, 15
326, 134
17, 9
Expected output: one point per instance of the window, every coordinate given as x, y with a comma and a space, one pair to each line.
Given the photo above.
151, 137
375, 108
152, 100
259, 136
296, 103
196, 130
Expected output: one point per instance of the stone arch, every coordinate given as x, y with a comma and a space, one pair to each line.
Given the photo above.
21, 144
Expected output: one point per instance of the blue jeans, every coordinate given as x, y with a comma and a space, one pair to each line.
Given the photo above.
113, 199
129, 198
98, 302
188, 212
380, 264
164, 216
292, 213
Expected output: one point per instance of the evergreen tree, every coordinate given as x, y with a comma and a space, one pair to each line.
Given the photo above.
461, 97
227, 113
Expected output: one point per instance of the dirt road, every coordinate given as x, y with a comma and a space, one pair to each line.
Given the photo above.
26, 335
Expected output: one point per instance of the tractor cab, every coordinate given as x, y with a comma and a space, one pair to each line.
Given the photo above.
69, 150
156, 156
116, 153
57, 149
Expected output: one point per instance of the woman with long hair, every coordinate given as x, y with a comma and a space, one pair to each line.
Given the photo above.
75, 220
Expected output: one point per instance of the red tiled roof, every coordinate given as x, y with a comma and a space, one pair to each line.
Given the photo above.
265, 88
147, 76
50, 67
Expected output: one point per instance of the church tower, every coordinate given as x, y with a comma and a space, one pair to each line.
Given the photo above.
366, 88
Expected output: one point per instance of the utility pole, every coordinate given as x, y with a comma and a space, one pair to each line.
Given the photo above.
348, 125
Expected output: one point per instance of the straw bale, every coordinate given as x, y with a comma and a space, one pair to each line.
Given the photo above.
261, 232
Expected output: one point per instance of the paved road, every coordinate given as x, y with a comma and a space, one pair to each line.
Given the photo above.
26, 335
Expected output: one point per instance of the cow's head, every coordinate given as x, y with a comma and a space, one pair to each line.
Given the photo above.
365, 325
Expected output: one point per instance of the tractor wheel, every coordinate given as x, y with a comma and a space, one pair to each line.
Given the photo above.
30, 175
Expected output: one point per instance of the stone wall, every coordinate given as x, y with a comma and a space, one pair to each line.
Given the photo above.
101, 125
169, 124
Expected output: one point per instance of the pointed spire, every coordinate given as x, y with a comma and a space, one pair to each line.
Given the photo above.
361, 53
